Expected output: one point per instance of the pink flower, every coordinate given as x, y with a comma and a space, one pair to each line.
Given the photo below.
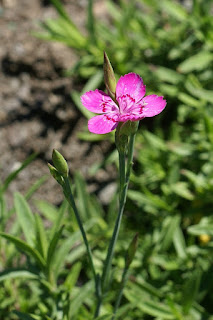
131, 104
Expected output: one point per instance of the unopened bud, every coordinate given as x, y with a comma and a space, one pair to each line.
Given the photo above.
109, 77
55, 174
60, 163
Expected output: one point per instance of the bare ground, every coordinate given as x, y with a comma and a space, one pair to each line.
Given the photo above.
37, 113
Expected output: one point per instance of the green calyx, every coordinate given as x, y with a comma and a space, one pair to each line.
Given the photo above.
123, 131
129, 127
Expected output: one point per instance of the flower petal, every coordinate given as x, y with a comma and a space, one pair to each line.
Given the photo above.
132, 85
153, 105
98, 102
103, 123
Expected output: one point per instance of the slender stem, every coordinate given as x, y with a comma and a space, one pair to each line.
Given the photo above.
108, 261
128, 171
120, 293
130, 156
69, 196
122, 172
124, 182
124, 175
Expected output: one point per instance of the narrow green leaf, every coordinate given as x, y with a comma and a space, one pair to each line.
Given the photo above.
73, 275
149, 306
41, 238
168, 75
168, 232
200, 93
175, 309
179, 243
204, 227
87, 136
188, 100
181, 189
59, 218
82, 197
91, 21
57, 4
155, 141
105, 317
24, 316
93, 82
198, 62
17, 273
23, 246
25, 218
3, 210
49, 211
191, 290
35, 186
53, 245
79, 299
174, 9
148, 287
152, 200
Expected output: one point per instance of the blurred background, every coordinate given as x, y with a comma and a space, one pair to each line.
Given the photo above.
51, 52
37, 111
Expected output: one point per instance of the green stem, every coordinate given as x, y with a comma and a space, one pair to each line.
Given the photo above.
123, 185
130, 156
120, 293
69, 196
124, 182
122, 172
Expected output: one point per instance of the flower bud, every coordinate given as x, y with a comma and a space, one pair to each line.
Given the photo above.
55, 174
60, 163
109, 77
131, 251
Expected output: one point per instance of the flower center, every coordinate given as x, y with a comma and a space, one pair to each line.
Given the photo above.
126, 103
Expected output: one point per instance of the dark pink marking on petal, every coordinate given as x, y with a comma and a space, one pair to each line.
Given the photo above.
130, 84
98, 102
103, 123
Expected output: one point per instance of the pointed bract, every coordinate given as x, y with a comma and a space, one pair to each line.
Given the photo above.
109, 77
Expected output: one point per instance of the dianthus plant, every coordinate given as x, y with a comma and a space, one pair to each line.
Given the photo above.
120, 108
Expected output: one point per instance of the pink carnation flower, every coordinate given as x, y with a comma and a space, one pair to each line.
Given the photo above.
132, 105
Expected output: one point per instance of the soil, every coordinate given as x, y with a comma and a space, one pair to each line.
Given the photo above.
37, 113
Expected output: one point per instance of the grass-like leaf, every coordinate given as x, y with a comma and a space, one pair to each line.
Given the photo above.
25, 218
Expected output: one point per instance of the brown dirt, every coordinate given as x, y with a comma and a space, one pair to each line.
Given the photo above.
37, 113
